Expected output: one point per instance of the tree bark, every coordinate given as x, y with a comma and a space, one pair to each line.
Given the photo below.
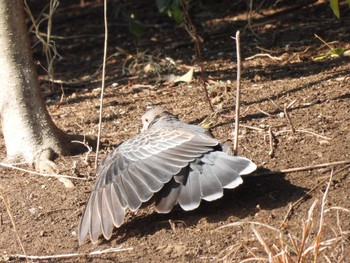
30, 134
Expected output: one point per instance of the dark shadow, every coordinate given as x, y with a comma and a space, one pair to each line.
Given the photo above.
267, 189
274, 39
289, 70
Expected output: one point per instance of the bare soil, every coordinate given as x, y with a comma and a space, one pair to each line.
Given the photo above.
278, 47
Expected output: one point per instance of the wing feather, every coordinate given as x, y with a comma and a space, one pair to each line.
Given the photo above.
167, 197
190, 195
106, 215
210, 186
116, 211
151, 180
95, 221
140, 167
84, 225
128, 191
143, 191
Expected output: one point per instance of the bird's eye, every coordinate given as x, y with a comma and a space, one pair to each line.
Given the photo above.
146, 120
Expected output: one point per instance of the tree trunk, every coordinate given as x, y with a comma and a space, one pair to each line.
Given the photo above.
29, 133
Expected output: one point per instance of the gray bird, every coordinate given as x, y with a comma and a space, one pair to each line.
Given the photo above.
171, 161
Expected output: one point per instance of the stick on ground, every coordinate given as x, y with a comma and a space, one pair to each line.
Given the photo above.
103, 80
98, 252
8, 209
310, 167
238, 94
291, 207
272, 149
288, 118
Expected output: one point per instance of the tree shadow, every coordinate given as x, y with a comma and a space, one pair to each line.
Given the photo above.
288, 70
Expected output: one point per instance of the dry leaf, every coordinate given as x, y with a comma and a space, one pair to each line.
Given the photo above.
185, 78
67, 183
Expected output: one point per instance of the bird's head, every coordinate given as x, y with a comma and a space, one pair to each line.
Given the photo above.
152, 116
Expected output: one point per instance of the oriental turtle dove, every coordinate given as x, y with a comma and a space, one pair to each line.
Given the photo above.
174, 162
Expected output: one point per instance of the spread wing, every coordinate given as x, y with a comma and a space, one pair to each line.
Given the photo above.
204, 178
133, 172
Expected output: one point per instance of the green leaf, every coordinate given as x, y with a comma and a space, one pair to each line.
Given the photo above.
336, 52
348, 2
163, 5
335, 7
135, 27
176, 12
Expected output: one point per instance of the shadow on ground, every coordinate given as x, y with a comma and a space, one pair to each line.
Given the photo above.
264, 190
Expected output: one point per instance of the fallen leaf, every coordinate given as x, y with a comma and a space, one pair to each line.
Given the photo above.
185, 78
67, 183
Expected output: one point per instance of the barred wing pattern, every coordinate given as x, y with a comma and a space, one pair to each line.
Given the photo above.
133, 172
177, 163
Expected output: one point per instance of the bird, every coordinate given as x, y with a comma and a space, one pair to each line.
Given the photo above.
170, 162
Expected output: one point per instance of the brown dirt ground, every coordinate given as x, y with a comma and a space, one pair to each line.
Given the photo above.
47, 214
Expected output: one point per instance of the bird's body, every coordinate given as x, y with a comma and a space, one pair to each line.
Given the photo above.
174, 162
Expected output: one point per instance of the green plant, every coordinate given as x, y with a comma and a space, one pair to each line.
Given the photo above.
135, 26
172, 8
335, 7
332, 52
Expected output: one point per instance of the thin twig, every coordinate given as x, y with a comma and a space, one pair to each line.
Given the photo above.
191, 29
309, 192
310, 167
288, 119
272, 150
253, 128
307, 225
264, 55
324, 245
8, 209
337, 208
291, 103
254, 259
305, 131
261, 241
41, 174
49, 46
324, 42
283, 131
238, 94
264, 112
249, 222
98, 252
103, 80
89, 148
275, 103
321, 224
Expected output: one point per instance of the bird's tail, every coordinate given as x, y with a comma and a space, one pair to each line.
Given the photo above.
205, 178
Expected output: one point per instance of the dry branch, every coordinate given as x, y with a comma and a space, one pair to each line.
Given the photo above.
191, 29
272, 150
103, 79
238, 94
304, 131
293, 249
41, 174
310, 167
288, 119
98, 252
312, 190
264, 55
321, 224
8, 209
